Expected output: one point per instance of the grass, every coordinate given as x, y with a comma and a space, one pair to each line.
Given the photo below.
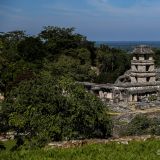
9, 144
148, 150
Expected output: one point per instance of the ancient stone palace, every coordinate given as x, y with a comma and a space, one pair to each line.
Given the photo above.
140, 83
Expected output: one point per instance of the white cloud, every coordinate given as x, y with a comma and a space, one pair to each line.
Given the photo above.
66, 10
11, 17
141, 8
10, 9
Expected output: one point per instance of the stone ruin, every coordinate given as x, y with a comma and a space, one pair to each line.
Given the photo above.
139, 84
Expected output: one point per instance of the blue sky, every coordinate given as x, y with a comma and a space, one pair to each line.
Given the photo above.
111, 20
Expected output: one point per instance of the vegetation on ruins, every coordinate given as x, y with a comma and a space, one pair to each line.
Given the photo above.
142, 125
38, 77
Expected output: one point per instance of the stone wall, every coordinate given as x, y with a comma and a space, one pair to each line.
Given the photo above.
141, 80
142, 68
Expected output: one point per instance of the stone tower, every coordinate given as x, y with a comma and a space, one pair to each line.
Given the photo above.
142, 65
139, 84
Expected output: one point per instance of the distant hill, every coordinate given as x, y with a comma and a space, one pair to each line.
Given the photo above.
128, 45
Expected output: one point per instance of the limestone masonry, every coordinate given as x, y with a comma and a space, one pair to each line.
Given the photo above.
140, 84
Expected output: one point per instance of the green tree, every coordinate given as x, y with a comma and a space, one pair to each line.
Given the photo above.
10, 40
31, 49
15, 72
46, 109
112, 63
157, 57
57, 39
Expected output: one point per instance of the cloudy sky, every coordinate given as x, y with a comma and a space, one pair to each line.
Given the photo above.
111, 20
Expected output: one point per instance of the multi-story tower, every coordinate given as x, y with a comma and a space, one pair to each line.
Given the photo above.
142, 65
139, 84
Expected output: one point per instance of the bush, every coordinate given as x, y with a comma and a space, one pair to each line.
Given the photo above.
46, 109
152, 98
142, 125
2, 147
138, 126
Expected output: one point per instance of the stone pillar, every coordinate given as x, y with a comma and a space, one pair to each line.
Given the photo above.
151, 68
130, 99
133, 80
152, 79
133, 67
101, 94
135, 98
141, 57
120, 96
134, 58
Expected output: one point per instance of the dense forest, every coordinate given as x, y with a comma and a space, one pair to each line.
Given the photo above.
38, 78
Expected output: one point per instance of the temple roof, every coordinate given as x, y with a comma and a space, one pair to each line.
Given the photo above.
142, 49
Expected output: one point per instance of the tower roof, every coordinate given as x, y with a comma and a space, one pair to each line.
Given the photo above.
142, 49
